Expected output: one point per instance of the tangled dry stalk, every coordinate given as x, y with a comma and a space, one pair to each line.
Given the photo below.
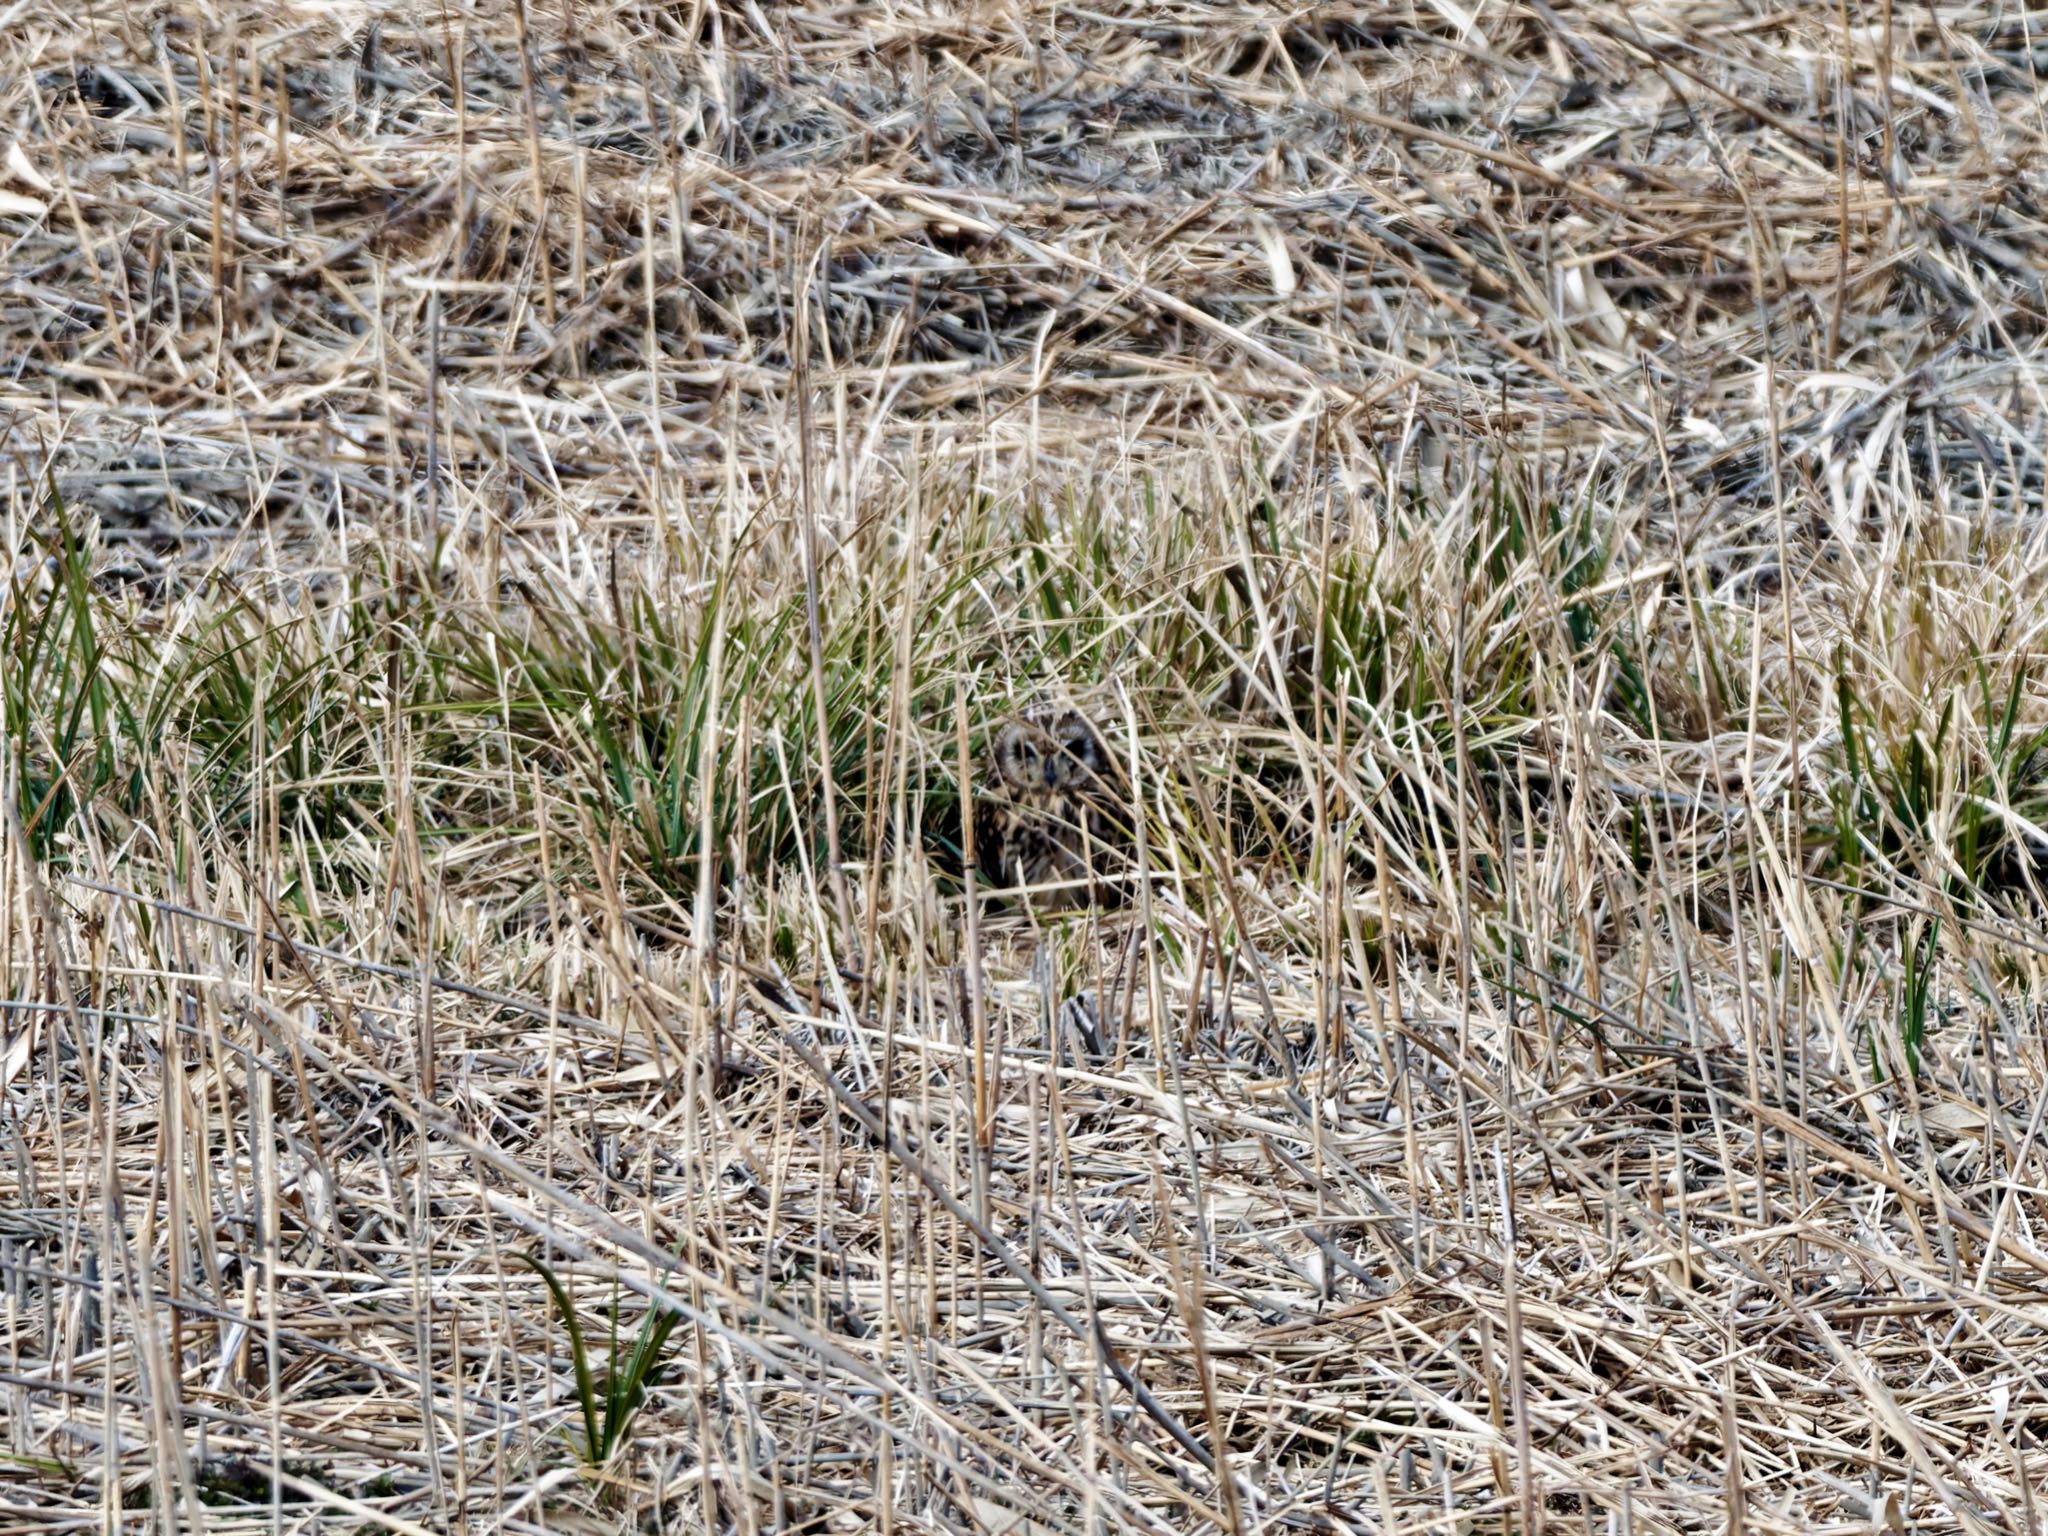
524, 518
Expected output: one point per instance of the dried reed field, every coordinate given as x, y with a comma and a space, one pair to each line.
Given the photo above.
526, 520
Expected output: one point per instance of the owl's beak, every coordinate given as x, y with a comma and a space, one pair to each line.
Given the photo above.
1052, 773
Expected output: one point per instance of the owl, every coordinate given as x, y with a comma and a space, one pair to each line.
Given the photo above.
1050, 810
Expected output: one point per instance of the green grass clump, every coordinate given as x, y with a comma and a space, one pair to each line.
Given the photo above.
609, 1400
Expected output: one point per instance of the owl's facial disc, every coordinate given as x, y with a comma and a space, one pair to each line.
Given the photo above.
1018, 756
1076, 750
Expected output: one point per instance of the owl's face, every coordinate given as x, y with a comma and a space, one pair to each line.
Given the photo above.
1051, 816
1053, 756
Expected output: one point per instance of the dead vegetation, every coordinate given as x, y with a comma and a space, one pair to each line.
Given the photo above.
519, 517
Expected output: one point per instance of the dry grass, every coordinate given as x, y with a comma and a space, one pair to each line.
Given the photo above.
520, 515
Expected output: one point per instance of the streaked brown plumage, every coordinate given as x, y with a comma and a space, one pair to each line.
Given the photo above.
1049, 810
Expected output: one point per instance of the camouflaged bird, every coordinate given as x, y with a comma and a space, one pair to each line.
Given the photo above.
1049, 811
